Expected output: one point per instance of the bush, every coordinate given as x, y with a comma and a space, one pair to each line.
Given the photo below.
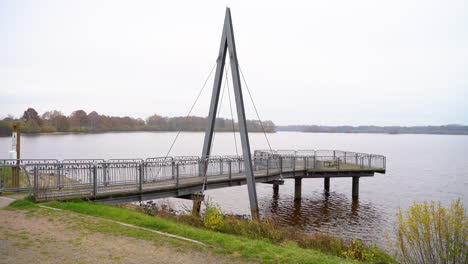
213, 219
430, 233
357, 250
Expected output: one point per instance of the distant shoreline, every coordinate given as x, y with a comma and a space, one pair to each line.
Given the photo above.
317, 132
119, 131
393, 130
381, 133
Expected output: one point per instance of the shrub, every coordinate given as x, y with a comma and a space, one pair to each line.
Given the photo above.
213, 218
430, 233
357, 250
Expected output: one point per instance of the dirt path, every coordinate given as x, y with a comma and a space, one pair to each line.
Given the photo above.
5, 201
46, 236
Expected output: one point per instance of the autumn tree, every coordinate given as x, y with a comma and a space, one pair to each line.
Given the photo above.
94, 120
31, 115
157, 122
79, 119
56, 119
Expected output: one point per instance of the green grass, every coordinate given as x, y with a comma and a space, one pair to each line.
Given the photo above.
21, 204
250, 249
233, 245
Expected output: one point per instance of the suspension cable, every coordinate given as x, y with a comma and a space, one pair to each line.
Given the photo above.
191, 109
256, 111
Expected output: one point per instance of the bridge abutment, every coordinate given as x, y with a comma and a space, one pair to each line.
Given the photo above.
355, 191
297, 188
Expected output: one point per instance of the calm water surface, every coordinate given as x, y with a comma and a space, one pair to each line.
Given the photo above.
419, 167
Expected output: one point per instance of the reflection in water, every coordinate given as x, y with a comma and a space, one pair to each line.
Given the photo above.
334, 213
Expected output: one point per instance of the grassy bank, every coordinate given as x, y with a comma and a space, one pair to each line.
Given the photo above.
260, 250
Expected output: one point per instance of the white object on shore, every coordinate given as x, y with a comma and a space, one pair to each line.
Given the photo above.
14, 139
12, 154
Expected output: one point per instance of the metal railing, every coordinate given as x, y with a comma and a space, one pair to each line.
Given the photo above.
49, 178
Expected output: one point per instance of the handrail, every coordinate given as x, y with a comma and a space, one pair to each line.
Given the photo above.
77, 174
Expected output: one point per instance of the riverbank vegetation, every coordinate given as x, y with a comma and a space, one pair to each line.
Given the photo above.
268, 229
266, 232
80, 121
429, 233
250, 240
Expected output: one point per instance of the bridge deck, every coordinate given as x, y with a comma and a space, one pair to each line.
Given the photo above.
117, 181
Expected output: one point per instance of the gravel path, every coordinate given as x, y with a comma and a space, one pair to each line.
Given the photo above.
46, 236
5, 201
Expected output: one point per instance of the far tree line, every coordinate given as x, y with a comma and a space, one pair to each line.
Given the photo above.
453, 129
80, 121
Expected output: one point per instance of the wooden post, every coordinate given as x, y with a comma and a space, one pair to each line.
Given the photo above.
197, 201
16, 169
297, 188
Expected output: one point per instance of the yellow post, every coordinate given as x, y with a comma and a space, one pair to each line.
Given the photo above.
16, 170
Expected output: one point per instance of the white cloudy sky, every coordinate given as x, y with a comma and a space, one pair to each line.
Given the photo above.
306, 62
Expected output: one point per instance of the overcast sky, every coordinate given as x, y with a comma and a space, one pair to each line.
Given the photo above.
306, 62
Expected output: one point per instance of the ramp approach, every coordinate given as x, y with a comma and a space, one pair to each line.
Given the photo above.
130, 180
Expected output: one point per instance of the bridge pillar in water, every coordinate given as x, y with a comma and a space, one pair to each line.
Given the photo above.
297, 188
326, 185
355, 191
275, 189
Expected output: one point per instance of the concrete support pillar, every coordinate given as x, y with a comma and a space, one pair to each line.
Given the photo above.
326, 185
275, 189
355, 188
297, 188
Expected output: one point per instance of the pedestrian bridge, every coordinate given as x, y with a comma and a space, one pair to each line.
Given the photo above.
128, 180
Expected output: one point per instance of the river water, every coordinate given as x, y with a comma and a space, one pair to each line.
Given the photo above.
419, 168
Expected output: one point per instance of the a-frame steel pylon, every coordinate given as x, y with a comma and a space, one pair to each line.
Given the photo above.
227, 42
